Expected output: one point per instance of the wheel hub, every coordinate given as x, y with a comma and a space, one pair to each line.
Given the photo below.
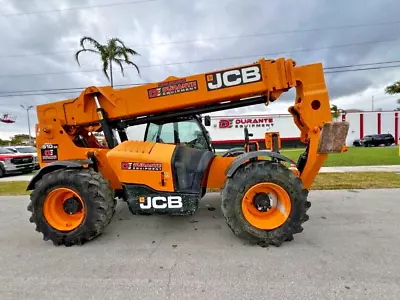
72, 205
262, 202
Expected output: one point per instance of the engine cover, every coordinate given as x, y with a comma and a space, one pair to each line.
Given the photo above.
143, 200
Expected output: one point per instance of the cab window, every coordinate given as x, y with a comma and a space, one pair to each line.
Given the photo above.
152, 132
162, 133
190, 134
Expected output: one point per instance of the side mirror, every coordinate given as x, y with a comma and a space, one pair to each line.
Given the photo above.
207, 121
246, 136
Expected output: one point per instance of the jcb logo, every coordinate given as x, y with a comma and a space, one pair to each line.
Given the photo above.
233, 77
160, 202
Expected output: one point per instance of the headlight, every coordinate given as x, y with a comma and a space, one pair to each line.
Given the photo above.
5, 162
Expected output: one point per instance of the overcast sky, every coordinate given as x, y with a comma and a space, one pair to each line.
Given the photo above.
158, 31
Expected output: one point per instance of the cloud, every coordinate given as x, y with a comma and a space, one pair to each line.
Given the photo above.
173, 31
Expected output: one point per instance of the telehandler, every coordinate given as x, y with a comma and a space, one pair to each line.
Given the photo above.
264, 200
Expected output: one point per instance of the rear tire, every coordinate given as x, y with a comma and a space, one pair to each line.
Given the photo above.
275, 174
95, 193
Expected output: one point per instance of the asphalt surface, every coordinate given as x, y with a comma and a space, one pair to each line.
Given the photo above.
394, 169
348, 250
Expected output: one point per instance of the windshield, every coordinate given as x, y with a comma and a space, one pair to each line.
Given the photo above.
5, 151
27, 150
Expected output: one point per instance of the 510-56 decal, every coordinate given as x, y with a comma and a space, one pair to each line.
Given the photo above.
49, 152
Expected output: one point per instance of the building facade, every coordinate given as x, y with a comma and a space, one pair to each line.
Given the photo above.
228, 131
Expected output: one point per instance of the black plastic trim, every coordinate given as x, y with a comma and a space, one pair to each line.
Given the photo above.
64, 164
249, 155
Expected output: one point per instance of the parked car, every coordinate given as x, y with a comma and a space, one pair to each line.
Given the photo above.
26, 150
11, 162
357, 143
375, 140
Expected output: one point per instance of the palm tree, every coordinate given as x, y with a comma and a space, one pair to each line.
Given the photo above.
393, 89
114, 51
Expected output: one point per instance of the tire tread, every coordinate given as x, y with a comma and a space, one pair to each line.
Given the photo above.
264, 171
94, 190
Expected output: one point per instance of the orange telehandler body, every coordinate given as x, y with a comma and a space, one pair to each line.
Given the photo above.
263, 200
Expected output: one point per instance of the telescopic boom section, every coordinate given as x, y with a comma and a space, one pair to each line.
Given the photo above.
261, 82
265, 79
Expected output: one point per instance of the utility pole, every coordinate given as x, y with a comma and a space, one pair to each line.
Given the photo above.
27, 108
372, 102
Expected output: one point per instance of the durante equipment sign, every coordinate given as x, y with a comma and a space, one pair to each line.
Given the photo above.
241, 123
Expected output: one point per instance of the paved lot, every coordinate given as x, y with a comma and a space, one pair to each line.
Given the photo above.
349, 250
394, 168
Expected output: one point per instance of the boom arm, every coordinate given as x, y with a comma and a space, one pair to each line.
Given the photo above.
261, 82
265, 78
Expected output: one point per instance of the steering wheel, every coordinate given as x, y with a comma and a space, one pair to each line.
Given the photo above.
192, 143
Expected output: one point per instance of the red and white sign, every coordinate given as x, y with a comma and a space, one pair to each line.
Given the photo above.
241, 123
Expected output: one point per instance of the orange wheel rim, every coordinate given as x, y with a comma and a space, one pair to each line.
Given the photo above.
64, 209
266, 206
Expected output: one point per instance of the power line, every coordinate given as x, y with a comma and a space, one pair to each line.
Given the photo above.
363, 69
218, 38
74, 90
57, 91
64, 90
366, 64
76, 8
204, 60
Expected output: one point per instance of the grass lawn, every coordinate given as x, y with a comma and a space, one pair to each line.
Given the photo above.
356, 156
349, 180
324, 181
14, 188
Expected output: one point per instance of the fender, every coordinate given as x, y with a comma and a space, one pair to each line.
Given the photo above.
57, 165
232, 151
238, 161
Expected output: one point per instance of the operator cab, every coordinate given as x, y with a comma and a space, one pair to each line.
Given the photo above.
191, 132
185, 131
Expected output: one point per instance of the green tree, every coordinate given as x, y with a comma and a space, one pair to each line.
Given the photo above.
335, 111
4, 142
20, 139
114, 51
393, 89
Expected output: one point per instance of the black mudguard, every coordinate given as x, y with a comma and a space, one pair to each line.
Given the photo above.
234, 151
249, 155
64, 164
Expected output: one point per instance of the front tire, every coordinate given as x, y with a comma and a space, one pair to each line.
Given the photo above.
71, 206
279, 219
